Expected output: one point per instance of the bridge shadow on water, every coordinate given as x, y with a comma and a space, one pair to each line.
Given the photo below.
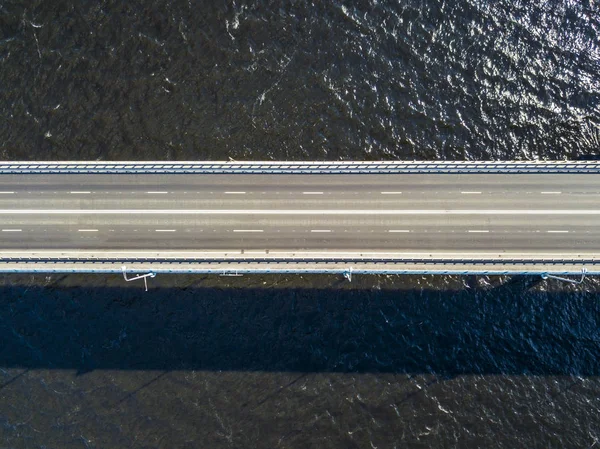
510, 329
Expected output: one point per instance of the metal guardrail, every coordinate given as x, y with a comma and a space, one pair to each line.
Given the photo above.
313, 260
313, 167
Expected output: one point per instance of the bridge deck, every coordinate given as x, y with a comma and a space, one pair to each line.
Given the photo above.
340, 217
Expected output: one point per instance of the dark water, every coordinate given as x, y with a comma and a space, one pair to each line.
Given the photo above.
297, 362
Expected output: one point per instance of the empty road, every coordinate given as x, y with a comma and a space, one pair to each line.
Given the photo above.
443, 213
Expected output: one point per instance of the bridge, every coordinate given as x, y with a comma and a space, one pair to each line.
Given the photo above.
300, 217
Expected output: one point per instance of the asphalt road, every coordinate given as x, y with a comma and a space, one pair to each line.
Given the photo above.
556, 213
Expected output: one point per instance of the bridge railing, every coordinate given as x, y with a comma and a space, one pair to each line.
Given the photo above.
238, 271
313, 167
299, 261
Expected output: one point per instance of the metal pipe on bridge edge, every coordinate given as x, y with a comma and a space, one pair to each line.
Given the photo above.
344, 271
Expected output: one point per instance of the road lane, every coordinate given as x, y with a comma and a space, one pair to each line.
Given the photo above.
300, 183
307, 234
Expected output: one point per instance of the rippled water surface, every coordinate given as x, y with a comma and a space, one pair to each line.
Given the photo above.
299, 362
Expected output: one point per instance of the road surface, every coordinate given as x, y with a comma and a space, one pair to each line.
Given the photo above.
413, 213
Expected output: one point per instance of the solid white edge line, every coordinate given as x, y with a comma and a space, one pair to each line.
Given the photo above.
301, 212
